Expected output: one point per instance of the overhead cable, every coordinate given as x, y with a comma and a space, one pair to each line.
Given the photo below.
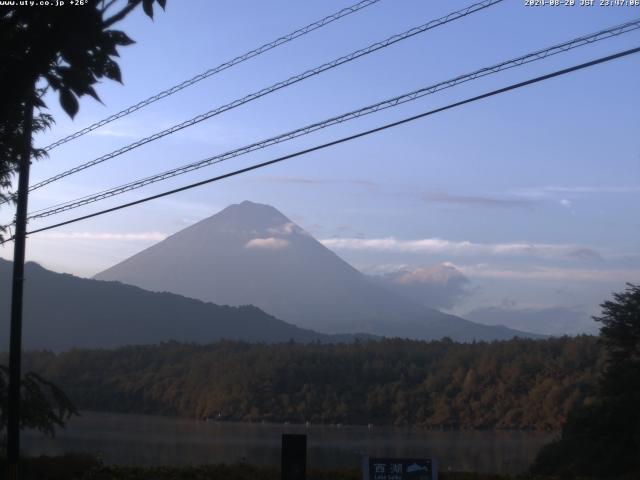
212, 71
345, 139
277, 86
376, 107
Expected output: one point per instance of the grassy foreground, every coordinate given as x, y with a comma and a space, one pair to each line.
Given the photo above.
86, 467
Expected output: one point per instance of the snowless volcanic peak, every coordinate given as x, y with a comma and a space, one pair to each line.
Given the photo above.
252, 254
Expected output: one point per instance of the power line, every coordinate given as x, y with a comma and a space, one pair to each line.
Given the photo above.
392, 102
346, 139
212, 71
277, 86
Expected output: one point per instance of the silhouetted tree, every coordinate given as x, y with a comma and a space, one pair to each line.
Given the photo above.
620, 334
603, 438
65, 49
68, 50
44, 406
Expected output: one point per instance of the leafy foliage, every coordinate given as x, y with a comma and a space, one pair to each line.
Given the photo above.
10, 141
66, 49
620, 334
72, 49
44, 406
517, 384
603, 438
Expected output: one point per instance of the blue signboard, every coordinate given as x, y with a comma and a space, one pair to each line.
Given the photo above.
399, 469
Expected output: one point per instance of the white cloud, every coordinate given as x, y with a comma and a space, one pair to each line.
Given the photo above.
549, 273
136, 237
477, 200
270, 243
438, 245
322, 181
546, 191
436, 274
284, 229
393, 244
437, 286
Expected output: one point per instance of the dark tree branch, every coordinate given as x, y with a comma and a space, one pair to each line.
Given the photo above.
107, 6
122, 13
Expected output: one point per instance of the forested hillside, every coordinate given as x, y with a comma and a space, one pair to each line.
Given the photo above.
517, 384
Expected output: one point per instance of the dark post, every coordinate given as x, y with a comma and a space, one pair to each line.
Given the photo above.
294, 457
15, 345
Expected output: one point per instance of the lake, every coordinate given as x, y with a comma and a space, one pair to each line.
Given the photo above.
153, 440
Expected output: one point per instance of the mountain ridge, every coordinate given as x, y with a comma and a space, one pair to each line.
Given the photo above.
62, 311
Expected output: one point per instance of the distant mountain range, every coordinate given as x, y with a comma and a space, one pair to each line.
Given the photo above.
556, 321
63, 311
251, 254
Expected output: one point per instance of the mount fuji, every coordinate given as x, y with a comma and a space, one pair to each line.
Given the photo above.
251, 254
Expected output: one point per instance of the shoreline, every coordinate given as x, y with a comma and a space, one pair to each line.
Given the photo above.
370, 426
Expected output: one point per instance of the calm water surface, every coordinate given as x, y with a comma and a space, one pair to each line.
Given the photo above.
153, 440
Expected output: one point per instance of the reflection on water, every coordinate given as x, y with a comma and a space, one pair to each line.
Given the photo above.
153, 440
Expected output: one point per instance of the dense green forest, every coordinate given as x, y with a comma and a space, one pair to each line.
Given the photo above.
517, 384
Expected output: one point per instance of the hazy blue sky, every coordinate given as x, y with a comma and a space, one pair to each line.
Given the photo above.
533, 195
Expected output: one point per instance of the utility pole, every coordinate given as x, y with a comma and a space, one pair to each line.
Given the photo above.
15, 345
